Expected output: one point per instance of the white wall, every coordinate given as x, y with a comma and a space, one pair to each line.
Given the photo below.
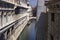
41, 8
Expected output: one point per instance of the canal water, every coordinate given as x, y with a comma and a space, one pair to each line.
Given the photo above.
29, 33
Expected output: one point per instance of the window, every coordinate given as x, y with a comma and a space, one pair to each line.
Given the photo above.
52, 17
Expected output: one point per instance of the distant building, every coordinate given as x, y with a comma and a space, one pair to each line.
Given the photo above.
40, 7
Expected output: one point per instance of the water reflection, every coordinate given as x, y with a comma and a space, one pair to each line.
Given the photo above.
29, 33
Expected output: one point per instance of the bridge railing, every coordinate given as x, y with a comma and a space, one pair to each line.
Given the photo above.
9, 29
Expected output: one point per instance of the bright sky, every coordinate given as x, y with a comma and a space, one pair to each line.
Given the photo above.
33, 2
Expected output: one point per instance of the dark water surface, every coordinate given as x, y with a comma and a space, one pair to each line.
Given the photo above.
29, 33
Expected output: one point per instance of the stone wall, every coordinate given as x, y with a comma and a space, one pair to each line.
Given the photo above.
54, 26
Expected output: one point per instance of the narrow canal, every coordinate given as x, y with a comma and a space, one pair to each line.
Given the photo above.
29, 33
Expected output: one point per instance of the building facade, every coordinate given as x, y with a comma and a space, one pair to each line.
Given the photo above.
53, 19
13, 18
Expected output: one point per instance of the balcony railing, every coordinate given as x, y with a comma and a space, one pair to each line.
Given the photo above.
16, 2
9, 29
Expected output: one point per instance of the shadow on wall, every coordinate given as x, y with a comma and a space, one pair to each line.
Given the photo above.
42, 27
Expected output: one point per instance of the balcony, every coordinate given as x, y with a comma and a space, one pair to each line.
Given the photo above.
20, 3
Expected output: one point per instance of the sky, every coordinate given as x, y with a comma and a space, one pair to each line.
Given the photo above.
33, 2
